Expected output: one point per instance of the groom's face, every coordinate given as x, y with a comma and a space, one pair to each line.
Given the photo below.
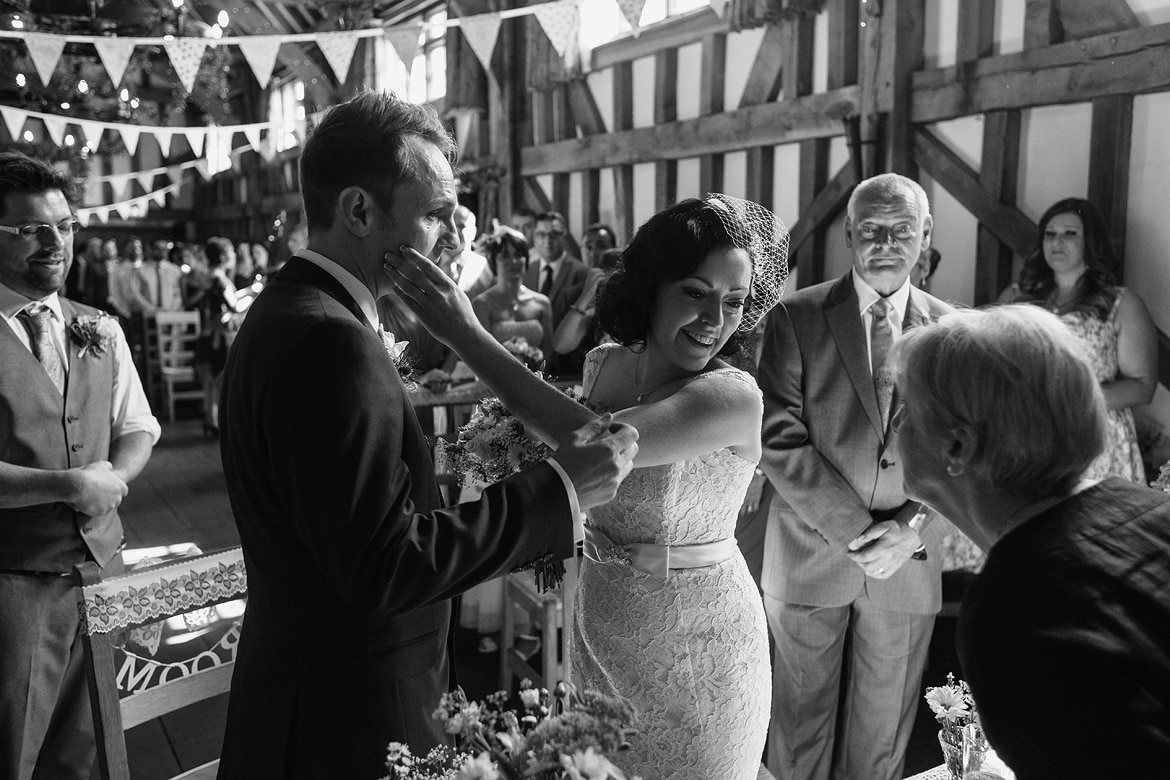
421, 212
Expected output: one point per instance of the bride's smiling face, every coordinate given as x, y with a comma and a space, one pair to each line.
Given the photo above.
694, 317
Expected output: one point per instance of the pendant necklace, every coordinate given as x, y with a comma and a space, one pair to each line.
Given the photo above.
640, 393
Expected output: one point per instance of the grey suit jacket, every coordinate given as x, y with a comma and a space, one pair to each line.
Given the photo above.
826, 451
566, 286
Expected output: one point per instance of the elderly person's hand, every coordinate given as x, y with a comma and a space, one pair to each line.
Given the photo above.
432, 295
881, 549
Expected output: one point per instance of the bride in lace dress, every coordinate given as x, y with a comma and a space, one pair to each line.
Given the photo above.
666, 615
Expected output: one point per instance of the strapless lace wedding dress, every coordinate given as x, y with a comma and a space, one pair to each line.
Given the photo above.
690, 650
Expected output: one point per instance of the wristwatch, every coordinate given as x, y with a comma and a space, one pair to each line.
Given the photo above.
916, 523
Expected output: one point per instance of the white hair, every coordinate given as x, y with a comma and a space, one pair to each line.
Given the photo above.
888, 188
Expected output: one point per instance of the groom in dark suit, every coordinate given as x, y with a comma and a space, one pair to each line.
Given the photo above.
851, 575
351, 557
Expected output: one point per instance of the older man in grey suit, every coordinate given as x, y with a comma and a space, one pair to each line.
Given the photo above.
851, 573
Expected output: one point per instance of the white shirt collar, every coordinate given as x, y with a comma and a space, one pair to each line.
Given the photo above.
866, 296
555, 265
11, 302
361, 294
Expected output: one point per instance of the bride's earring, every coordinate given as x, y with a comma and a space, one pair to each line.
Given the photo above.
953, 470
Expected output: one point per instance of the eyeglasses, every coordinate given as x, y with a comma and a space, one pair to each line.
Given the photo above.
549, 234
64, 228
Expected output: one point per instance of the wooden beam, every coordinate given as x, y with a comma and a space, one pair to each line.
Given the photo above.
586, 114
1122, 63
869, 83
711, 87
665, 111
828, 203
765, 78
1082, 18
590, 196
907, 38
809, 255
998, 176
770, 124
669, 34
844, 17
1008, 223
976, 30
539, 196
1109, 147
1041, 24
623, 172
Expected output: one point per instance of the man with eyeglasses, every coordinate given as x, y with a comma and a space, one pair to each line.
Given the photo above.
559, 276
74, 430
851, 569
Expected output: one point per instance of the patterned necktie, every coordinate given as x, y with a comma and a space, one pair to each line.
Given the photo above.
546, 284
881, 337
36, 320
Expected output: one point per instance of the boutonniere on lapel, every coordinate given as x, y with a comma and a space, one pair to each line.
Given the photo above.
93, 333
397, 352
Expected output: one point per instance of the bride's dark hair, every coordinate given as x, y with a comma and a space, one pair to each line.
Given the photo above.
669, 246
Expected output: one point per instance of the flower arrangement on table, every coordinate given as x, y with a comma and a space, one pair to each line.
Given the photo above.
961, 735
527, 354
497, 743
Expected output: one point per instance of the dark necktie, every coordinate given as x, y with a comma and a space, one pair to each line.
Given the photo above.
158, 290
546, 283
36, 320
881, 338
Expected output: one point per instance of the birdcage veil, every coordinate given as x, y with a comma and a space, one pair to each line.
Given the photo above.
757, 230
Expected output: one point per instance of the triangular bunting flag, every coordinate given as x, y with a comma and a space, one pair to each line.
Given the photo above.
129, 135
175, 173
92, 132
202, 169
405, 43
164, 140
103, 215
719, 6
45, 51
55, 126
13, 120
186, 54
481, 32
123, 210
196, 137
632, 10
146, 181
338, 48
83, 217
260, 51
118, 186
115, 55
159, 197
559, 21
252, 133
267, 148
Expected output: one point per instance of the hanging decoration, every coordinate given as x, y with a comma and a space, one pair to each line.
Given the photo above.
559, 20
481, 32
338, 49
115, 56
186, 54
260, 53
45, 50
405, 43
632, 10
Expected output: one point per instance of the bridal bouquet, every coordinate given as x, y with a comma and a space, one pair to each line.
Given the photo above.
497, 743
492, 446
527, 354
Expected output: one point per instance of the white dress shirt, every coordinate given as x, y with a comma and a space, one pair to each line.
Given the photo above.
867, 296
365, 301
130, 411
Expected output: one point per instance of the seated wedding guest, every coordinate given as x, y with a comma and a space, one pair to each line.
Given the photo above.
524, 220
1073, 273
509, 309
597, 240
1064, 637
467, 267
576, 330
559, 276
217, 306
74, 431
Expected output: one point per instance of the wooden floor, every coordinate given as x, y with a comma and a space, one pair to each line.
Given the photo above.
181, 497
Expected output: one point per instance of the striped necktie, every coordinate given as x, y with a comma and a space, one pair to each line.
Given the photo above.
881, 338
36, 318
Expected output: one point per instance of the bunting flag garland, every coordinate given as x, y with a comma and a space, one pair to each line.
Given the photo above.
14, 121
195, 139
129, 135
405, 43
632, 10
719, 7
115, 55
251, 133
119, 187
44, 50
559, 20
338, 49
55, 127
260, 52
163, 137
92, 132
127, 207
481, 32
145, 180
186, 54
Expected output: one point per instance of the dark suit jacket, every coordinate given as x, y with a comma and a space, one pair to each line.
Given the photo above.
829, 456
350, 558
566, 288
1064, 638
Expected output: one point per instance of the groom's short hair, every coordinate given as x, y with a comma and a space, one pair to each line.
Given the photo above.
365, 142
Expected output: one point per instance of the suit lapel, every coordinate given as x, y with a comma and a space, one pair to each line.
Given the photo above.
917, 315
298, 269
845, 325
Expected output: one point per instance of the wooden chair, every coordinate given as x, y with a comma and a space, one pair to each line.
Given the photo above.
175, 336
128, 696
546, 611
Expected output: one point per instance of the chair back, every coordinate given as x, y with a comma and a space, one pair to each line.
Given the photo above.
175, 335
126, 689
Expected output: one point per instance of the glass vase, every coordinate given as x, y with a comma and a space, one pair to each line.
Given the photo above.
952, 757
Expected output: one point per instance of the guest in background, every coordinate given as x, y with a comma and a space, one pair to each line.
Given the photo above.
510, 309
468, 268
559, 276
850, 599
260, 261
196, 279
1073, 273
245, 273
598, 239
89, 258
577, 329
74, 431
155, 285
524, 220
1063, 637
217, 307
928, 261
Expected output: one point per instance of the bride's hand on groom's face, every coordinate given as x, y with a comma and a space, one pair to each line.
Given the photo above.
432, 295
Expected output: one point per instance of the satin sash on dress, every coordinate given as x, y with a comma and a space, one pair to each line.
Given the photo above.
656, 559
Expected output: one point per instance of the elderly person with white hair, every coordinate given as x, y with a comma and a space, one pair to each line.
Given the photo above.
1064, 636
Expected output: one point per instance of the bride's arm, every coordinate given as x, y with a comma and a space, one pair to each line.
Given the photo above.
703, 416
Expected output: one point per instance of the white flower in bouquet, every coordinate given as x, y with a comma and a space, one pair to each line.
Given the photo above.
527, 354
